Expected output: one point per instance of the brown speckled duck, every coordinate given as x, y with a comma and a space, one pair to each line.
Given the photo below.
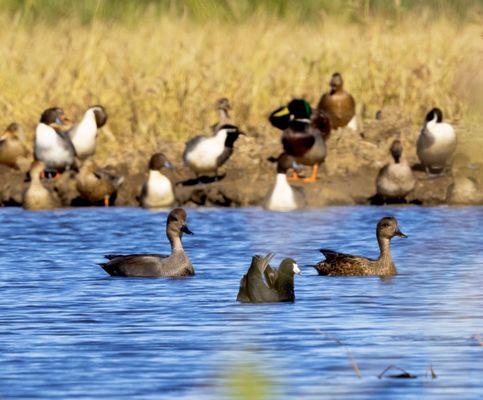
339, 264
38, 197
263, 284
223, 107
12, 148
338, 104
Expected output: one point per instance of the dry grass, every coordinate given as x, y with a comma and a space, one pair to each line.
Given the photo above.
159, 78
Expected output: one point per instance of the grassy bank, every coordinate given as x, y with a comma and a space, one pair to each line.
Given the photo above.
160, 72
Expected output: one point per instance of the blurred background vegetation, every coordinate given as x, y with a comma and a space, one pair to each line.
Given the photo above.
159, 66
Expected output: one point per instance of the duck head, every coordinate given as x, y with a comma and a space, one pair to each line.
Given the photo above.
434, 114
388, 227
159, 161
176, 223
289, 267
284, 163
11, 131
396, 150
53, 115
36, 170
232, 133
336, 83
100, 115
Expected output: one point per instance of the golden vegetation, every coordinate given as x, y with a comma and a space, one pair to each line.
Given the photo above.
159, 77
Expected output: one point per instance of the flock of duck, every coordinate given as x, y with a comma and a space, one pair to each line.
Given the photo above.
60, 145
261, 283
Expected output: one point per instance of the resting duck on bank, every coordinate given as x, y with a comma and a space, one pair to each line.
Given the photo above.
282, 196
263, 284
52, 143
84, 134
395, 180
177, 264
223, 107
38, 197
436, 142
157, 191
97, 185
339, 264
338, 104
205, 154
12, 148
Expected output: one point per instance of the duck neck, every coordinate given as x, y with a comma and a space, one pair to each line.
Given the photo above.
175, 240
224, 116
385, 249
281, 179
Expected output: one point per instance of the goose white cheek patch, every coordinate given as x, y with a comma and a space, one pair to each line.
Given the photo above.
296, 269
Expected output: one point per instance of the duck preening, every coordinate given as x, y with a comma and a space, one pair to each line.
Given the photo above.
37, 196
282, 196
84, 134
157, 191
12, 149
177, 264
52, 143
340, 264
205, 154
96, 185
263, 284
436, 142
338, 104
395, 180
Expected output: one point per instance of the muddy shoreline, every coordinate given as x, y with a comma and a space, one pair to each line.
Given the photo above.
346, 178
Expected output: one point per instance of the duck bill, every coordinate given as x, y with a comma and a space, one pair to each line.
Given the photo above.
400, 234
186, 230
168, 165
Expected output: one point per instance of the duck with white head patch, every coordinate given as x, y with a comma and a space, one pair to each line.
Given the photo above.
205, 154
436, 142
52, 143
264, 284
157, 191
84, 134
282, 196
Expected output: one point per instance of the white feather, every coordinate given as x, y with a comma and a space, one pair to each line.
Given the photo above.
83, 135
49, 146
436, 144
159, 191
282, 197
203, 157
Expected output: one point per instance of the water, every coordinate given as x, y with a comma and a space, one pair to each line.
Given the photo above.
67, 330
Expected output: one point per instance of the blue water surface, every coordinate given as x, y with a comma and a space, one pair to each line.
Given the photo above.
69, 331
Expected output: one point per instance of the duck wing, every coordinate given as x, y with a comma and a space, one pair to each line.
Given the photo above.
140, 265
296, 143
341, 264
255, 289
192, 143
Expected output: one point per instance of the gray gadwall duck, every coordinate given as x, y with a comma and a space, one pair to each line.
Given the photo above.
177, 264
263, 284
52, 143
84, 134
223, 107
339, 264
282, 196
12, 149
37, 196
157, 191
205, 154
97, 185
436, 143
338, 104
395, 180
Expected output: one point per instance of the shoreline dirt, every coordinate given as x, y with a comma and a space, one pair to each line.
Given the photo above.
346, 178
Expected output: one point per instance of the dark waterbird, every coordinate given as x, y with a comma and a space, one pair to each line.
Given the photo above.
340, 264
177, 264
264, 284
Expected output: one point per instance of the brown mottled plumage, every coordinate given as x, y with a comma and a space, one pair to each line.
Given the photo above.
38, 197
339, 264
11, 147
223, 107
338, 104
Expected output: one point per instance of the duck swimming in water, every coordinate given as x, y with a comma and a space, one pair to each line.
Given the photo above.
205, 154
436, 143
338, 104
282, 196
52, 144
12, 148
263, 284
84, 134
395, 180
340, 264
157, 191
38, 197
177, 264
